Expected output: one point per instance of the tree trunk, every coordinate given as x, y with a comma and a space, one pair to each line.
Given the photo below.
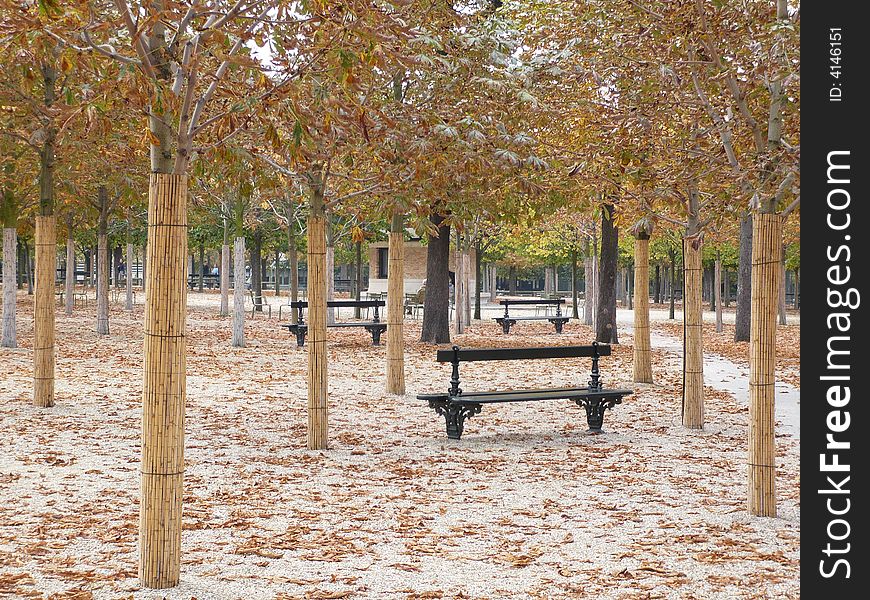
766, 256
642, 350
294, 272
277, 274
256, 271
357, 272
605, 330
717, 293
673, 286
69, 275
493, 283
782, 316
201, 274
116, 266
103, 263
330, 279
239, 290
28, 268
10, 239
436, 305
629, 285
225, 272
575, 304
478, 279
744, 282
318, 389
589, 292
465, 256
94, 259
512, 281
459, 288
129, 277
164, 389
726, 293
693, 352
396, 307
658, 285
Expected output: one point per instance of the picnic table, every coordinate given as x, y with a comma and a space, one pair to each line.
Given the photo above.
558, 320
375, 326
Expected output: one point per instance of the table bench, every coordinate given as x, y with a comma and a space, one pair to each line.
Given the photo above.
456, 406
374, 327
558, 320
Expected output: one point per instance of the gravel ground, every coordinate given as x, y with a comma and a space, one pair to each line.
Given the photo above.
526, 505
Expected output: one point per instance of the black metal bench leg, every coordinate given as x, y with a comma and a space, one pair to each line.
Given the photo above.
558, 323
595, 408
376, 335
506, 325
454, 415
300, 336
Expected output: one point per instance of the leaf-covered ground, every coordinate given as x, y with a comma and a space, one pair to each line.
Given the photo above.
526, 505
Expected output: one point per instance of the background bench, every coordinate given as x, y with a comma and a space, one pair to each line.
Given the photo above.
506, 321
374, 327
456, 406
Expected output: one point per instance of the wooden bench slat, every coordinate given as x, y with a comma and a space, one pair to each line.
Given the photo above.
554, 394
479, 354
446, 395
553, 301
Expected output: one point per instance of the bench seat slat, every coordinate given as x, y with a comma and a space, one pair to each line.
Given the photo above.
537, 318
529, 395
445, 395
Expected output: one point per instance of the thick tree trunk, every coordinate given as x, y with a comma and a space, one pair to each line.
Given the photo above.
102, 282
318, 389
396, 307
436, 305
717, 293
766, 256
744, 282
239, 291
642, 350
512, 281
164, 389
43, 312
605, 330
693, 353
10, 239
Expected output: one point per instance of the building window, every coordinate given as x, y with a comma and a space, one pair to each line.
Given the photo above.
382, 263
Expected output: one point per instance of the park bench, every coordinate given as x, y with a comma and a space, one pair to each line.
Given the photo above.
375, 326
456, 405
208, 281
506, 320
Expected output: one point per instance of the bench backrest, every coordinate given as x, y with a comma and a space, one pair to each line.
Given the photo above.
553, 301
343, 303
533, 353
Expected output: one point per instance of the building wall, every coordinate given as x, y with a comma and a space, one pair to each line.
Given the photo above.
415, 266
